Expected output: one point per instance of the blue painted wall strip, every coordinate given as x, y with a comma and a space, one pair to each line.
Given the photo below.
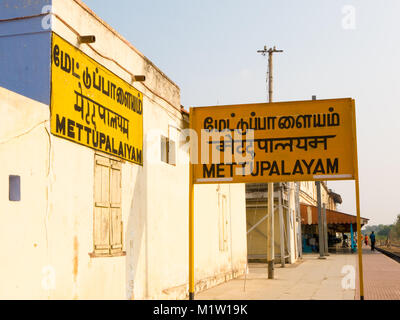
25, 48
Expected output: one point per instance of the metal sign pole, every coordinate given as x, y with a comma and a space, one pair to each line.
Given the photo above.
357, 185
191, 214
320, 222
359, 246
271, 213
326, 237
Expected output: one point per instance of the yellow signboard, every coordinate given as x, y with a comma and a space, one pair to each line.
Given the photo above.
274, 142
92, 106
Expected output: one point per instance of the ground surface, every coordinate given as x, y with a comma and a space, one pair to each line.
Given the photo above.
310, 279
381, 276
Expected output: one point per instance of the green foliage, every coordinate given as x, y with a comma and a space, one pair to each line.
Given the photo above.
382, 231
395, 232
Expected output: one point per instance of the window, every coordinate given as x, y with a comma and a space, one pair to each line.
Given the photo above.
14, 188
223, 222
107, 226
168, 150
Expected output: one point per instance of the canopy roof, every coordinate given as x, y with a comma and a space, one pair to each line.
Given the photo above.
310, 216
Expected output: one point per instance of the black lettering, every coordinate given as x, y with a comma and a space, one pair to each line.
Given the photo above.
88, 131
102, 140
319, 168
56, 55
231, 168
95, 139
265, 166
108, 144
220, 170
332, 167
274, 169
71, 125
80, 127
298, 168
121, 150
129, 148
308, 166
209, 173
139, 156
65, 62
254, 174
133, 157
60, 125
283, 169
113, 149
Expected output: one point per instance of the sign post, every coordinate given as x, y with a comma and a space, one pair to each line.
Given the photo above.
93, 107
272, 142
191, 215
357, 185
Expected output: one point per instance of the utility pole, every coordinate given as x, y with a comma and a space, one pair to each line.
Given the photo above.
321, 243
299, 237
270, 219
326, 244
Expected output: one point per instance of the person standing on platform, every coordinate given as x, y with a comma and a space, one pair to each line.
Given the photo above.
366, 239
372, 238
313, 243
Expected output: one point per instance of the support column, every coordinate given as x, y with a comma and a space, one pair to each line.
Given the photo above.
281, 225
326, 245
321, 243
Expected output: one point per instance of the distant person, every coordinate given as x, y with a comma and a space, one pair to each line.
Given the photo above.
345, 244
388, 242
366, 240
372, 238
313, 243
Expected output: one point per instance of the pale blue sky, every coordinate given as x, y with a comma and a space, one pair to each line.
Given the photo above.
208, 47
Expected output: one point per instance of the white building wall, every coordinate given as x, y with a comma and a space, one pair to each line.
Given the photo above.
50, 232
23, 151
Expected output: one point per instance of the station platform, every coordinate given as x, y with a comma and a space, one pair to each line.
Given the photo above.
309, 279
381, 276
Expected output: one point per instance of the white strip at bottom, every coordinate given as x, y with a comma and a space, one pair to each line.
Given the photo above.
214, 179
333, 176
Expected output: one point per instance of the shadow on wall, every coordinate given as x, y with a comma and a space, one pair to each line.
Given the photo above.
136, 237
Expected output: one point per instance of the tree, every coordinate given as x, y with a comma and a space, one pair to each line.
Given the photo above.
383, 231
395, 232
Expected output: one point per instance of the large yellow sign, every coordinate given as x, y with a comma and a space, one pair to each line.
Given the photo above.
273, 142
92, 106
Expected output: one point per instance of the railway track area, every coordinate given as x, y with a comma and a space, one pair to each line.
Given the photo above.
392, 251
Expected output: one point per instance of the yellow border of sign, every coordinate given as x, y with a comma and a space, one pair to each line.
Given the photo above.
191, 214
191, 205
357, 187
127, 83
237, 107
272, 103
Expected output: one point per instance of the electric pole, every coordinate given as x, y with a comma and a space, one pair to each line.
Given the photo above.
321, 242
270, 219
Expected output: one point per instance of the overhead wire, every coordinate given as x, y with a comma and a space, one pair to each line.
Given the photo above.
72, 29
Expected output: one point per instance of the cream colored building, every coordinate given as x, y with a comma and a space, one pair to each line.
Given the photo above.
308, 195
287, 224
289, 237
54, 243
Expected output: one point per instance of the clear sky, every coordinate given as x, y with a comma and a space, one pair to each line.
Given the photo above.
208, 47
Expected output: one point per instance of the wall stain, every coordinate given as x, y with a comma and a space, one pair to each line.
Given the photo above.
75, 264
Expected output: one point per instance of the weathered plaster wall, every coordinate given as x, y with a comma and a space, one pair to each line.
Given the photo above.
49, 256
24, 149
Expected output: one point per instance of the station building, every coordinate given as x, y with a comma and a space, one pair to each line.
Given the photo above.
338, 223
287, 222
94, 208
